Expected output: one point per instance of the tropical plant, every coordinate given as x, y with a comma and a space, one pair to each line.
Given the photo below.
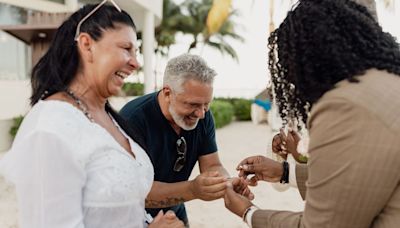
197, 12
222, 111
16, 123
133, 89
370, 4
389, 3
192, 18
171, 24
241, 107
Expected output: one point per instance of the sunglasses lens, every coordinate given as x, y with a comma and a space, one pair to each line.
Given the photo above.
180, 162
181, 150
180, 146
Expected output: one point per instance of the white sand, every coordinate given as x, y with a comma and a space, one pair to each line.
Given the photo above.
236, 141
8, 207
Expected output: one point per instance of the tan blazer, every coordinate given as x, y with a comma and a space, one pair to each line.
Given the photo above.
354, 166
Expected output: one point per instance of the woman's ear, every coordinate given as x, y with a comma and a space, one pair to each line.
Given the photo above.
85, 46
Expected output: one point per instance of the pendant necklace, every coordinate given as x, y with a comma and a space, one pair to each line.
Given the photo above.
80, 105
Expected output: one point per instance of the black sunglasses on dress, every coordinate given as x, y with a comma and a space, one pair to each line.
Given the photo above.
181, 150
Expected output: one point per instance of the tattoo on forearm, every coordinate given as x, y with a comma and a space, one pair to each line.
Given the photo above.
168, 202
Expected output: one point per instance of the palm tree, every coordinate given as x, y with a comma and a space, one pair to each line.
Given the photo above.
171, 24
190, 18
369, 4
389, 3
195, 24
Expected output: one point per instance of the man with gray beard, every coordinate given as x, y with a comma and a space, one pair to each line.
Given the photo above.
178, 130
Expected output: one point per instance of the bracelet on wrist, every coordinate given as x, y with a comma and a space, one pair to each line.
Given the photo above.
303, 159
246, 212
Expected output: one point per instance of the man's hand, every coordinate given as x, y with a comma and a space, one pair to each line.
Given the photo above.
168, 220
241, 187
263, 169
208, 186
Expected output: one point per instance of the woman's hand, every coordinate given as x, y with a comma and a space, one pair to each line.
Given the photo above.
241, 187
262, 167
167, 220
282, 144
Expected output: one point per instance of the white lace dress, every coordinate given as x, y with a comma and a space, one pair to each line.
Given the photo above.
70, 172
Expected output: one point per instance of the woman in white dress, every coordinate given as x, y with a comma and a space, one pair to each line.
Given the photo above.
74, 162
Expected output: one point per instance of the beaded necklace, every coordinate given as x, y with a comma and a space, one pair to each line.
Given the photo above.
80, 105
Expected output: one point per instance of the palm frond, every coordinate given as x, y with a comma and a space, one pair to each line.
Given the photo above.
224, 48
389, 4
217, 15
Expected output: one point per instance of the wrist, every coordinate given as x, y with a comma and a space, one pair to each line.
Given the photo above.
248, 213
192, 190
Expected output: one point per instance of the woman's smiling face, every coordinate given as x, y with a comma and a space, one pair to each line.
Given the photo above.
114, 59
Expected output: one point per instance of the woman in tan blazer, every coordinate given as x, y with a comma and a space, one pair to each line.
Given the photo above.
334, 69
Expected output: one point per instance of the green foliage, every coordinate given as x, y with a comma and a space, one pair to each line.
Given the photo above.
241, 107
222, 111
170, 25
14, 128
197, 12
190, 18
133, 89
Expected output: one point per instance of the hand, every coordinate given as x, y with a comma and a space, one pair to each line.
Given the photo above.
208, 186
292, 141
283, 144
240, 186
263, 169
236, 203
278, 146
168, 220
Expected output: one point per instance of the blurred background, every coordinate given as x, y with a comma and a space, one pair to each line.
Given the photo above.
230, 34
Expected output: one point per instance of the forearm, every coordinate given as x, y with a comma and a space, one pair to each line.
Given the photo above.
301, 172
271, 218
169, 194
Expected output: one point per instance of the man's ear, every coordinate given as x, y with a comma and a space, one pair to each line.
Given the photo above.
167, 93
85, 46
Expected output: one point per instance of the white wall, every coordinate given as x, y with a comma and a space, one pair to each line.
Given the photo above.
14, 98
14, 101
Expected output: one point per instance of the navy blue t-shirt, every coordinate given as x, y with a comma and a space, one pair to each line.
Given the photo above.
145, 117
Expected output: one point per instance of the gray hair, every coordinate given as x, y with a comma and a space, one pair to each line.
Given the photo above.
187, 67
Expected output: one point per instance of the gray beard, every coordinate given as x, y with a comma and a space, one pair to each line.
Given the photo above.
179, 120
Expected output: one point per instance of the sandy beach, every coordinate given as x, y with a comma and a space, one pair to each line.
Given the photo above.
235, 141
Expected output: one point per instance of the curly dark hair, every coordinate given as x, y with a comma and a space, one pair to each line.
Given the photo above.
320, 43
